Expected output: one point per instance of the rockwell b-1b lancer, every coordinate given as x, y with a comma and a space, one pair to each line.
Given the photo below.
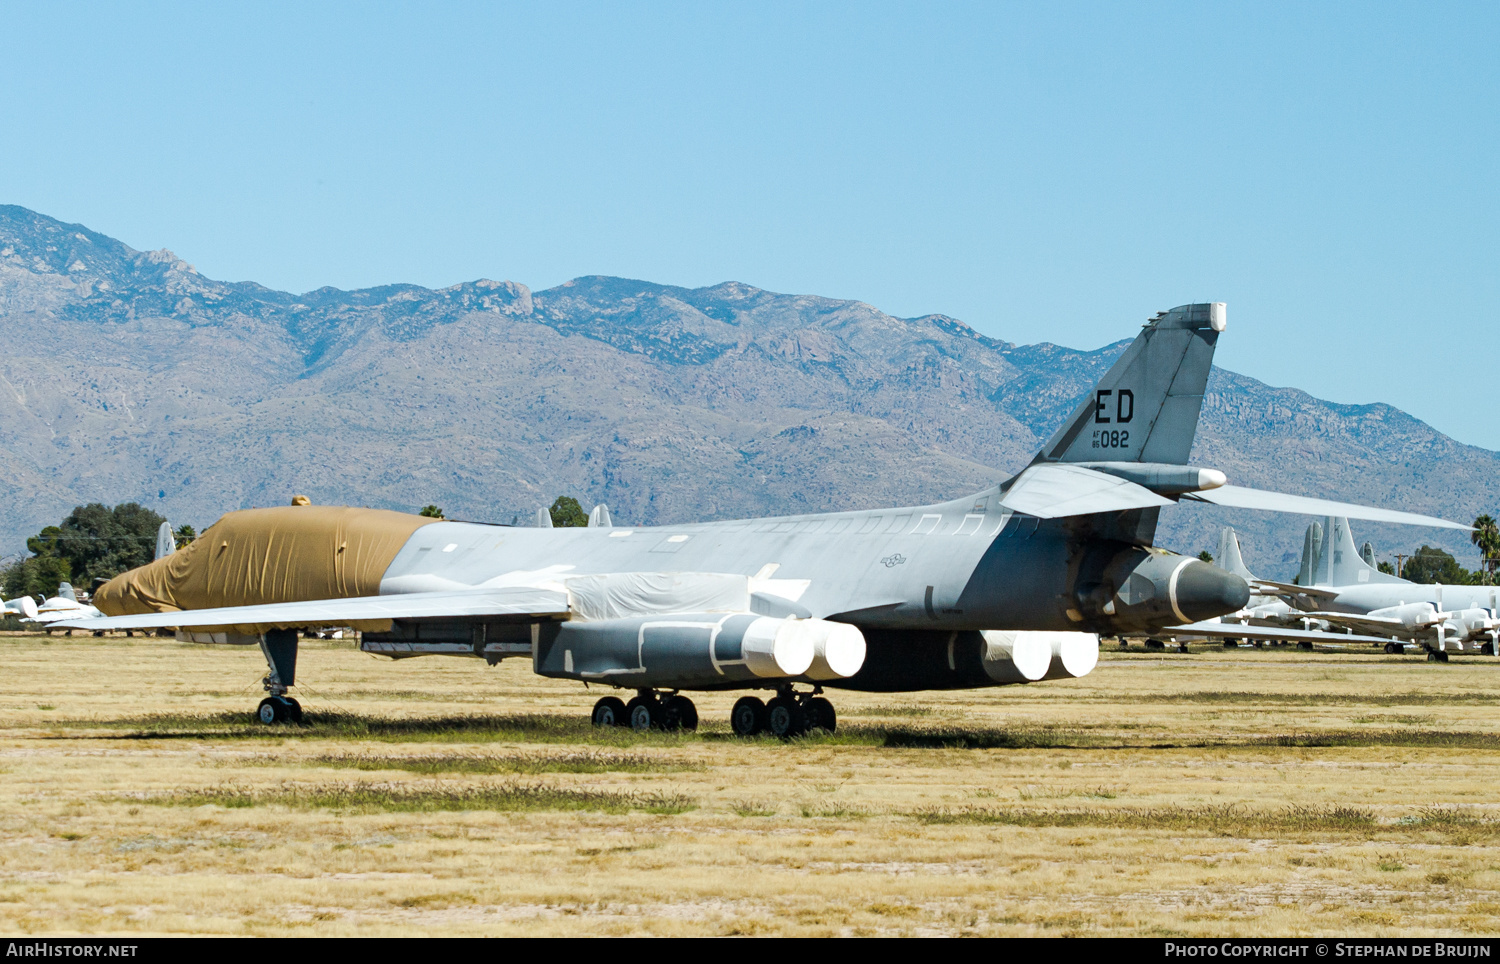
1014, 584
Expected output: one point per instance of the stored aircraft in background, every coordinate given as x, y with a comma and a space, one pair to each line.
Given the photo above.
1009, 585
1341, 586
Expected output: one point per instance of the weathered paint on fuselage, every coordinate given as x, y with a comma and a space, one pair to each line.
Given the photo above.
930, 567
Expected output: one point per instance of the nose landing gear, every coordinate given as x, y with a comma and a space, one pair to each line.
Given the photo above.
787, 715
280, 649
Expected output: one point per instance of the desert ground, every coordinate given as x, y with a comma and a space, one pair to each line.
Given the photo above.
1246, 792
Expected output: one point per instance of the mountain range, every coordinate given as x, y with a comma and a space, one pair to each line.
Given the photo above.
128, 376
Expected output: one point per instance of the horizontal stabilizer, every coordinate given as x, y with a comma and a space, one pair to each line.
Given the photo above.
1053, 490
1239, 497
517, 601
1205, 630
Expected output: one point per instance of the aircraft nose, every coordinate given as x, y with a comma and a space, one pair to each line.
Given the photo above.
1205, 591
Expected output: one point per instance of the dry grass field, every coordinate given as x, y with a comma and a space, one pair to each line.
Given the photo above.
1254, 792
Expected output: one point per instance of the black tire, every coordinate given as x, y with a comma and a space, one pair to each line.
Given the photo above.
1305, 644
609, 711
1488, 649
643, 713
784, 718
680, 714
821, 715
269, 711
1155, 644
292, 710
748, 716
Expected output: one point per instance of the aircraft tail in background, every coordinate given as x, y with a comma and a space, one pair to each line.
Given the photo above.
1330, 559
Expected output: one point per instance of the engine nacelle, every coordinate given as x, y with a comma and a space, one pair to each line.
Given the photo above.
699, 650
1127, 589
905, 660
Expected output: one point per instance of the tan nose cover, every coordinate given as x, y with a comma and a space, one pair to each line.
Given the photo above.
285, 554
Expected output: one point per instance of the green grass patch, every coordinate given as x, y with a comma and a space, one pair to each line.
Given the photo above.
587, 761
406, 798
1388, 737
891, 709
476, 728
1307, 699
1229, 820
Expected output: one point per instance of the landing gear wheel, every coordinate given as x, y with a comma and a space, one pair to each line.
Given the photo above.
1155, 644
1305, 644
1182, 647
1488, 649
784, 718
643, 713
1231, 644
1435, 656
610, 711
679, 713
279, 709
748, 716
820, 714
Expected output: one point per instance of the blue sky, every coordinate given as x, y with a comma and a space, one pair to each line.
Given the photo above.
1042, 171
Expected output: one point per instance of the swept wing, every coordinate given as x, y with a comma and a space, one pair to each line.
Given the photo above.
518, 601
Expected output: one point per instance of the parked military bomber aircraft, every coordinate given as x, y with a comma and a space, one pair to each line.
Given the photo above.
1013, 584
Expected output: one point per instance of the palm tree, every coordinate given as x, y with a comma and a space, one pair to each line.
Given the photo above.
1486, 536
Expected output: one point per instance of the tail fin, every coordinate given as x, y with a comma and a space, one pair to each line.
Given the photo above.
1340, 564
1229, 558
166, 543
1145, 408
65, 591
1312, 545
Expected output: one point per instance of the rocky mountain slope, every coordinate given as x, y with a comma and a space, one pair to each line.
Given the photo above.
127, 375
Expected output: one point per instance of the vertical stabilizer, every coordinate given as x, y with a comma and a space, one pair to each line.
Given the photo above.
65, 591
1145, 408
166, 543
599, 518
1229, 558
1312, 545
543, 519
1340, 564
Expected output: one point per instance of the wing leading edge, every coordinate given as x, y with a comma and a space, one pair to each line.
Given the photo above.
518, 601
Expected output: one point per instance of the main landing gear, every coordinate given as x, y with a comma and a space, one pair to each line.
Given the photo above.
788, 714
648, 711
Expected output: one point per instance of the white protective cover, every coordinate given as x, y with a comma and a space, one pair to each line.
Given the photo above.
1016, 657
779, 647
1073, 654
618, 595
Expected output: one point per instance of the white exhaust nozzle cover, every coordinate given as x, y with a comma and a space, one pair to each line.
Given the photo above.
1218, 315
838, 649
775, 648
1012, 656
1073, 654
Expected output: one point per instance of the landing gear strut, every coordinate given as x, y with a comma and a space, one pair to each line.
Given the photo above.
788, 714
649, 710
280, 649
